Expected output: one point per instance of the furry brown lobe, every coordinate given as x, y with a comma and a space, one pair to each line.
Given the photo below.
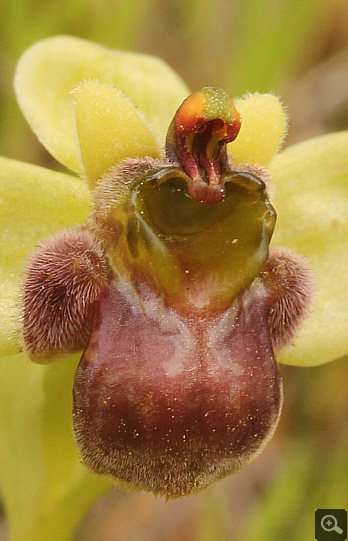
290, 284
65, 276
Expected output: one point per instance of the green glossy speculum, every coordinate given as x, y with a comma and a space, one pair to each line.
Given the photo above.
195, 255
193, 230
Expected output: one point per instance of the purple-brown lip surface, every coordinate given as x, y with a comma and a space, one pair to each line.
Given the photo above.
168, 404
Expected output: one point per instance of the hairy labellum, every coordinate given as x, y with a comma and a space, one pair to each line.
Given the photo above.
167, 403
172, 293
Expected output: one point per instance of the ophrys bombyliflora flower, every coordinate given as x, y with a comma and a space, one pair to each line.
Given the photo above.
212, 294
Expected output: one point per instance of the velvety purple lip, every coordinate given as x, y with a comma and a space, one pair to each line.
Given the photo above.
152, 393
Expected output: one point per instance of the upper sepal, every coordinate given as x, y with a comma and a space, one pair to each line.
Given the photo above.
50, 69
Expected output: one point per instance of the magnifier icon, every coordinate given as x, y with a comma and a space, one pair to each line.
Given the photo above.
329, 524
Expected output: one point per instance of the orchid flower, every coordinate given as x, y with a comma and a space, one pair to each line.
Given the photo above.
153, 259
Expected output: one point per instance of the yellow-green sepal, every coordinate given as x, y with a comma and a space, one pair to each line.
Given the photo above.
50, 69
312, 206
34, 203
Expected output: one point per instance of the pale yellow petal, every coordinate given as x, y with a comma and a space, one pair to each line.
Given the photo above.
50, 69
109, 129
312, 205
263, 126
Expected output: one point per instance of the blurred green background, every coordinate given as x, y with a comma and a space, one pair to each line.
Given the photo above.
299, 50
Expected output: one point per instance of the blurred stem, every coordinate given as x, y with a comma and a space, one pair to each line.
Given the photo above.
212, 519
46, 490
302, 485
270, 519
